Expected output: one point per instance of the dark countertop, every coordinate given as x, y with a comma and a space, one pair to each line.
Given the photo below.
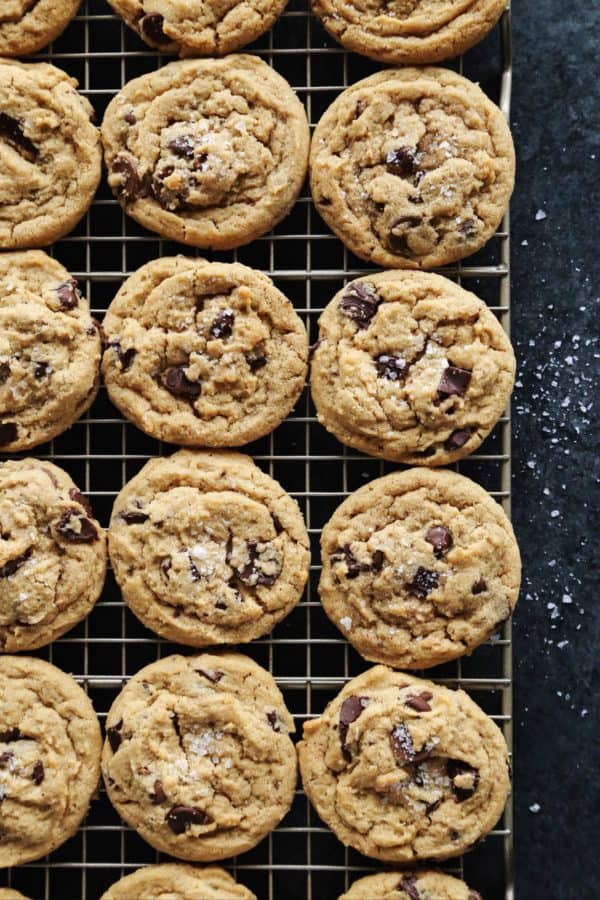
556, 285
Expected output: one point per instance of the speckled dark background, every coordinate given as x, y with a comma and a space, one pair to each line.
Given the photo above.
556, 286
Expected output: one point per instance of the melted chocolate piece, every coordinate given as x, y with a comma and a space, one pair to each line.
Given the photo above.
10, 735
87, 530
468, 228
177, 383
222, 327
213, 675
360, 302
134, 516
351, 709
274, 721
423, 583
352, 564
8, 432
440, 539
152, 29
454, 382
130, 117
402, 161
38, 774
80, 498
256, 359
408, 885
390, 367
479, 586
114, 736
13, 565
419, 702
125, 357
68, 294
250, 570
455, 768
397, 241
377, 561
41, 370
130, 185
159, 795
12, 132
457, 439
277, 524
180, 818
182, 146
6, 759
403, 748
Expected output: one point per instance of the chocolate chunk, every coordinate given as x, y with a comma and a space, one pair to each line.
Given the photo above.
479, 586
419, 702
274, 720
457, 439
80, 531
390, 367
4, 372
277, 524
402, 744
408, 885
180, 818
351, 709
222, 327
360, 302
13, 565
256, 359
10, 735
353, 566
134, 517
251, 574
213, 675
402, 161
130, 117
177, 383
423, 583
130, 183
377, 561
431, 807
12, 132
41, 370
440, 539
126, 357
8, 432
6, 759
182, 146
458, 769
159, 795
468, 228
397, 237
453, 834
80, 498
37, 776
114, 735
454, 382
152, 29
68, 294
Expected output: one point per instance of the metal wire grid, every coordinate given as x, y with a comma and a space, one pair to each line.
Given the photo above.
309, 659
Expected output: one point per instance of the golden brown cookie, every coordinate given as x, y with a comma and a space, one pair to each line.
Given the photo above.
421, 884
177, 881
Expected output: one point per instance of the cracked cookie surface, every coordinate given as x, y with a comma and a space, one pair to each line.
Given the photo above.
410, 367
403, 770
412, 168
408, 32
199, 27
211, 153
418, 885
198, 758
174, 881
207, 549
28, 25
204, 354
50, 156
50, 350
52, 554
50, 747
419, 567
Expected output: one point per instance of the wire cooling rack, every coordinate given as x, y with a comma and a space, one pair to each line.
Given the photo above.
301, 860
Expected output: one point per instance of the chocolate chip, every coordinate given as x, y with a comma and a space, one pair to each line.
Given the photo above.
423, 582
457, 439
408, 885
256, 359
6, 758
68, 294
468, 228
277, 524
397, 240
222, 325
134, 517
353, 566
13, 565
403, 748
402, 161
177, 383
440, 539
431, 807
419, 702
10, 735
159, 795
453, 835
152, 29
176, 727
390, 367
80, 498
182, 146
74, 527
41, 370
454, 382
180, 818
130, 183
37, 776
213, 675
351, 709
479, 586
359, 302
12, 132
359, 108
4, 372
130, 117
8, 432
456, 768
274, 720
377, 561
114, 736
251, 574
125, 357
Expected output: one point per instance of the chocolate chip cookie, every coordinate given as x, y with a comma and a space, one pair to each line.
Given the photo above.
178, 881
412, 168
419, 567
211, 153
410, 367
204, 354
28, 25
52, 554
199, 27
197, 756
50, 350
207, 549
50, 156
408, 32
403, 770
50, 745
420, 884
9, 894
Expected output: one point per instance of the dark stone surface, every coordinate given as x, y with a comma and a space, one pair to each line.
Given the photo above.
556, 285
